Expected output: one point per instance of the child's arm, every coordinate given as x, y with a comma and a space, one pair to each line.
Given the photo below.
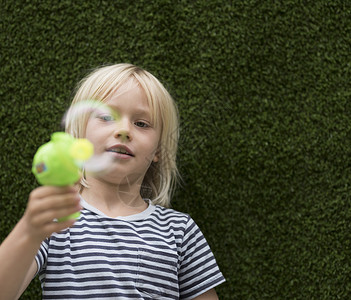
18, 250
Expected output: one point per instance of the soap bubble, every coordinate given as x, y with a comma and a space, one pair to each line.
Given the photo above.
83, 111
98, 164
87, 109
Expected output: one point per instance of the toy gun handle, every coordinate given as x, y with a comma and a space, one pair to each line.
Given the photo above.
59, 162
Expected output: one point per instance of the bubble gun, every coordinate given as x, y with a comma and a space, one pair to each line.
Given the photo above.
59, 162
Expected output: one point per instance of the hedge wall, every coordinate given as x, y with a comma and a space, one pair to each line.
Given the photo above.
263, 89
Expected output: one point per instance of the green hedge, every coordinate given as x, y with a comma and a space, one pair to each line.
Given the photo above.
263, 89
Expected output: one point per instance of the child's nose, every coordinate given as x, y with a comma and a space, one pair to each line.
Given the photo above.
122, 131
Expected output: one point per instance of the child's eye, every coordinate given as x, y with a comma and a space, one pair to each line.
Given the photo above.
141, 124
106, 118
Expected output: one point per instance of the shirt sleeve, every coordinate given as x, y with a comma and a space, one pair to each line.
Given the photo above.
42, 255
199, 271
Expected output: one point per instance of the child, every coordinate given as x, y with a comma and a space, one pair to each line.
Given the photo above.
126, 244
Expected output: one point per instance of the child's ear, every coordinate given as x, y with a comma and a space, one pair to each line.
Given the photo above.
155, 159
157, 155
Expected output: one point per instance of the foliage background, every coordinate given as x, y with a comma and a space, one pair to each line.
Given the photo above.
263, 89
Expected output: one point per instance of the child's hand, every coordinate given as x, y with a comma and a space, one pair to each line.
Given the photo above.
47, 203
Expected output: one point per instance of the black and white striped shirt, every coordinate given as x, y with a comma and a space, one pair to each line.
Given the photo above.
157, 254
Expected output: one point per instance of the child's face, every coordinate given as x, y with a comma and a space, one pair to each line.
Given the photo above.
132, 140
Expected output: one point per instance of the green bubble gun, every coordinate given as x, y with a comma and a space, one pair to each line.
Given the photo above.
59, 162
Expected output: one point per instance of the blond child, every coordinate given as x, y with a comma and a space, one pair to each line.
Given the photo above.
127, 243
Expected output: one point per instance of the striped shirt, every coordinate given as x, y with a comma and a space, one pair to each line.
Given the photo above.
157, 254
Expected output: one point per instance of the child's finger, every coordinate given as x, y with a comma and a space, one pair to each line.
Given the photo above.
44, 191
52, 227
53, 202
48, 216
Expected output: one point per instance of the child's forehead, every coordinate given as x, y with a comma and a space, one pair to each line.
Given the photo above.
130, 96
126, 87
128, 93
137, 110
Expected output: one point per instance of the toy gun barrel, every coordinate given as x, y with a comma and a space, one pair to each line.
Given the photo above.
59, 162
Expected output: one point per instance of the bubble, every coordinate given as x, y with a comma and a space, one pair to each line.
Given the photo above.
87, 109
84, 110
98, 164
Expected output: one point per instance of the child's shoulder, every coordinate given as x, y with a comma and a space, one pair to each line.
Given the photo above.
170, 214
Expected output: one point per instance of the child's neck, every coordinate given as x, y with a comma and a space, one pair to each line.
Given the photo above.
114, 200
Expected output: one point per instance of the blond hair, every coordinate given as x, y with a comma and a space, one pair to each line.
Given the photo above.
161, 177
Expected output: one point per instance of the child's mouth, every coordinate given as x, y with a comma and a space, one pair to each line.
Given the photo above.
121, 150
